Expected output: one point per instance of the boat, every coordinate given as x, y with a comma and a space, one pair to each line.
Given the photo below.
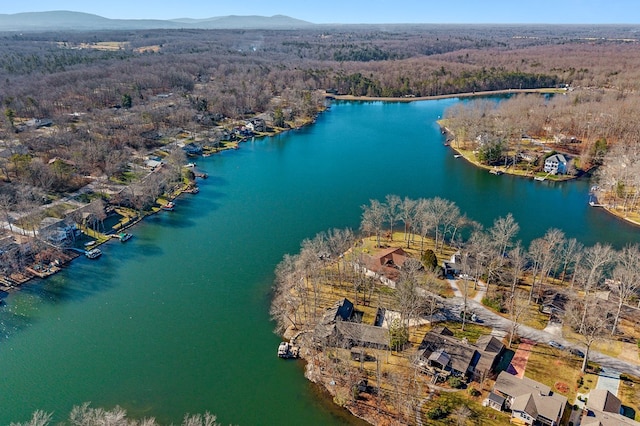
93, 253
496, 172
457, 156
539, 178
287, 350
169, 206
89, 243
124, 236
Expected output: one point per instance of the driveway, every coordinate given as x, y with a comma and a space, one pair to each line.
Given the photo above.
609, 379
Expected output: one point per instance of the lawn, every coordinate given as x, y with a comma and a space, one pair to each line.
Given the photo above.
565, 367
629, 393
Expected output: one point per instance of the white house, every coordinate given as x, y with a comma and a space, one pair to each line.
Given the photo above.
556, 164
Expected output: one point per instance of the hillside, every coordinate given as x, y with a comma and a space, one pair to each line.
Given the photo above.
67, 20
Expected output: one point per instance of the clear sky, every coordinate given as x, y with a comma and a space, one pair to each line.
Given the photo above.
356, 11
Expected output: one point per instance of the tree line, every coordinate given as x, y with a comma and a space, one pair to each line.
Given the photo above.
85, 415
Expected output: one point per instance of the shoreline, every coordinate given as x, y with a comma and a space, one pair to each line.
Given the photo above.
497, 170
436, 97
14, 282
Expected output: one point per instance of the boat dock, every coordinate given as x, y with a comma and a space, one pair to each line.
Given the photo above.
496, 172
541, 178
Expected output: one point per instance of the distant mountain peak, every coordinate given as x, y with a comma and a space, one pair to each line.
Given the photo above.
70, 20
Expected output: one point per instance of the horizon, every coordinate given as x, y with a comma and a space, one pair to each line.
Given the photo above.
585, 12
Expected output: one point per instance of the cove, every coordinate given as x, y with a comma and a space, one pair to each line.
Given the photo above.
176, 320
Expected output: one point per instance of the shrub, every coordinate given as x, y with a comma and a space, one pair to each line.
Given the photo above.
492, 303
474, 392
456, 382
429, 260
436, 413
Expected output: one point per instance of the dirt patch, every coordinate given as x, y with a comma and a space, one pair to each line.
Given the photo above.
562, 387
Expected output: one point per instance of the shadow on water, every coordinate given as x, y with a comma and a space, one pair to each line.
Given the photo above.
61, 288
21, 310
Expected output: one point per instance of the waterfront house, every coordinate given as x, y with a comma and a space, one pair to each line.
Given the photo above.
530, 402
556, 164
341, 311
192, 149
340, 326
384, 265
354, 334
58, 232
256, 125
452, 266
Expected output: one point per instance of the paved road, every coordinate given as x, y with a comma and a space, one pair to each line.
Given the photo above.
454, 305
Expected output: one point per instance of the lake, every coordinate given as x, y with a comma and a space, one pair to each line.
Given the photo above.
176, 320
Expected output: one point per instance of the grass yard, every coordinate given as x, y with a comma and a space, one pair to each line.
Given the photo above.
629, 394
565, 367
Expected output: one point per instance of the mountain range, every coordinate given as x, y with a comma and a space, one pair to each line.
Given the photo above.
79, 21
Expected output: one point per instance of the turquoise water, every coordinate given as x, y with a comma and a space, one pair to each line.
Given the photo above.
176, 320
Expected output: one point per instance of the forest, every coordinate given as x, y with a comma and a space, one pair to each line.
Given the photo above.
89, 107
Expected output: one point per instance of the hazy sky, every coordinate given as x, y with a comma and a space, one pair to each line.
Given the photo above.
357, 11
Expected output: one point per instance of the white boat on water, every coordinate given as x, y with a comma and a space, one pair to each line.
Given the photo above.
124, 236
287, 350
93, 253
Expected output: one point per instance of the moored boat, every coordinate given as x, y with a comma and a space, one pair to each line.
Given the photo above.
124, 236
169, 206
287, 350
93, 253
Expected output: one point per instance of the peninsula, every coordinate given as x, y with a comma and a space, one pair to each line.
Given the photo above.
402, 327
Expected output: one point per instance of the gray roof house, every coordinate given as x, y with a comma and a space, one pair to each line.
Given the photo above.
338, 328
604, 409
556, 164
442, 351
530, 401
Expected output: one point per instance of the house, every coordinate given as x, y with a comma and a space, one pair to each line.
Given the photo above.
256, 125
556, 164
604, 409
58, 231
529, 401
604, 401
452, 266
495, 401
440, 351
491, 351
340, 327
152, 163
351, 334
192, 149
39, 122
384, 265
341, 311
528, 156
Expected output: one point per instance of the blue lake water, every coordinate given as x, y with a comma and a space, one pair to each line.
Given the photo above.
176, 320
